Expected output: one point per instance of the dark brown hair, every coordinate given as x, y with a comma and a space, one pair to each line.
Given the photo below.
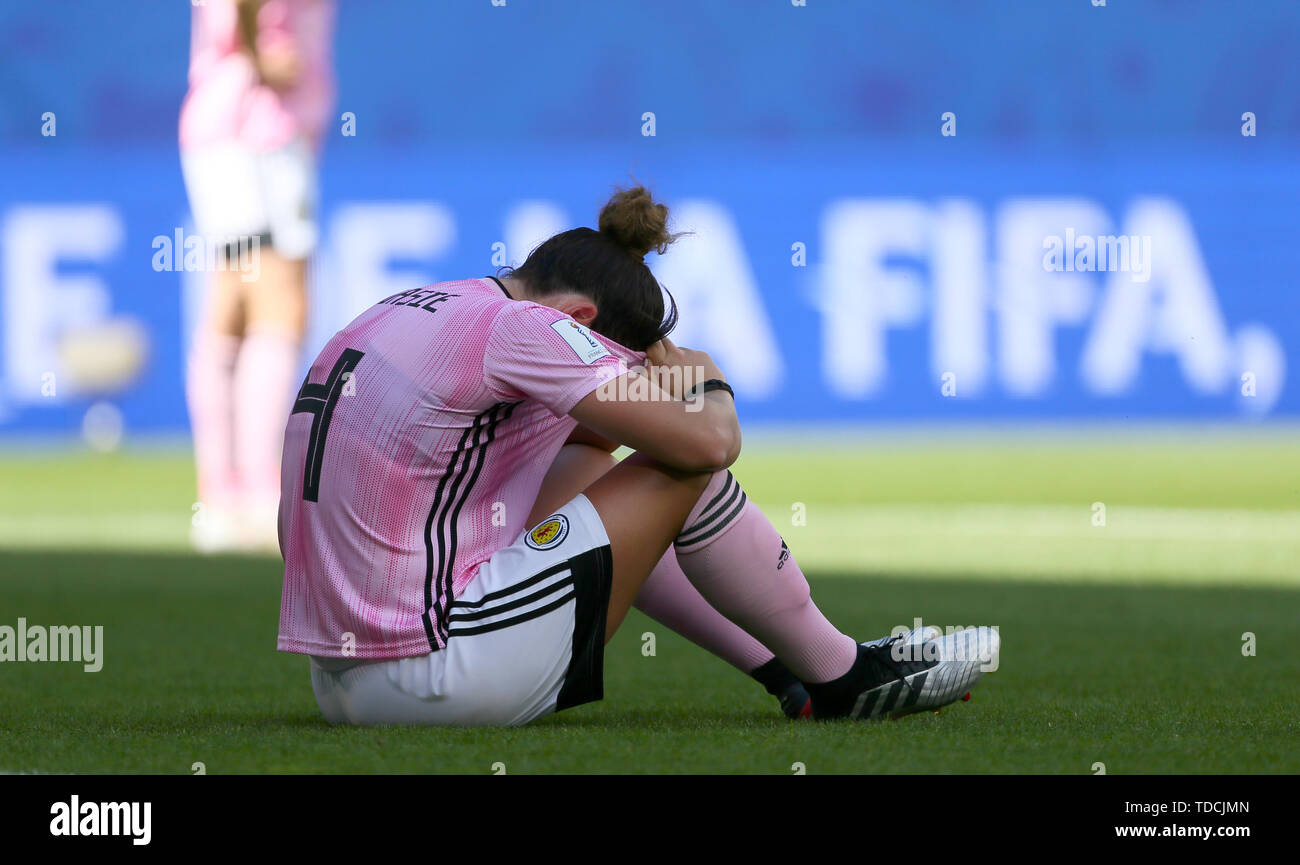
609, 267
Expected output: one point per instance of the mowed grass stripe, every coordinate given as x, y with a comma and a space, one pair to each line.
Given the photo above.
1060, 543
1053, 543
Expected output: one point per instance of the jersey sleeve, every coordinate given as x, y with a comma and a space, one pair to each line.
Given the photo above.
540, 353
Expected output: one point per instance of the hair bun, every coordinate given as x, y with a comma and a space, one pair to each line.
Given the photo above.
635, 221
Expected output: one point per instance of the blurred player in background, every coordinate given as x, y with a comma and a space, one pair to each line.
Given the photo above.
260, 89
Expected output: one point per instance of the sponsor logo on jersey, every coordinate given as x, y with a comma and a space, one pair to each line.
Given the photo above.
584, 345
549, 533
784, 555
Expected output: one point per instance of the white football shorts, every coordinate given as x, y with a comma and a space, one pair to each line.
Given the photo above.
527, 638
236, 192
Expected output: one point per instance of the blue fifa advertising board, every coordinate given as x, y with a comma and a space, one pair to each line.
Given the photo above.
1114, 250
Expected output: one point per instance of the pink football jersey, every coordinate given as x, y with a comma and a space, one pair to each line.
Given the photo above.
416, 449
226, 102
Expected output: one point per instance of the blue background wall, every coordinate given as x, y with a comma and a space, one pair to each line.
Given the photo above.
776, 126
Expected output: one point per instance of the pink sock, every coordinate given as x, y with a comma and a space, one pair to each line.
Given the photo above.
734, 556
266, 379
209, 385
668, 597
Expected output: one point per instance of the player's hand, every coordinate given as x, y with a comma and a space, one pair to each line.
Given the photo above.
677, 370
676, 356
279, 68
656, 354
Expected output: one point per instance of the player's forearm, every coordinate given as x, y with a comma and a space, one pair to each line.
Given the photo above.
701, 435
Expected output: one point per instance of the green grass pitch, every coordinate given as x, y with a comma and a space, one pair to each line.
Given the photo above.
1122, 642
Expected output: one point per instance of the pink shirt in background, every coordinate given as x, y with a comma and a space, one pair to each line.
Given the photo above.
226, 103
416, 450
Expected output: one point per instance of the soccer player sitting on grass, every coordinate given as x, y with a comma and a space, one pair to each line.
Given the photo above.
430, 435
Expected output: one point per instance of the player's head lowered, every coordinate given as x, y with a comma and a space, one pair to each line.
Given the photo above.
608, 268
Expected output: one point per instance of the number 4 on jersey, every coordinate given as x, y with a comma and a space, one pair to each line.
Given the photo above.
319, 400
